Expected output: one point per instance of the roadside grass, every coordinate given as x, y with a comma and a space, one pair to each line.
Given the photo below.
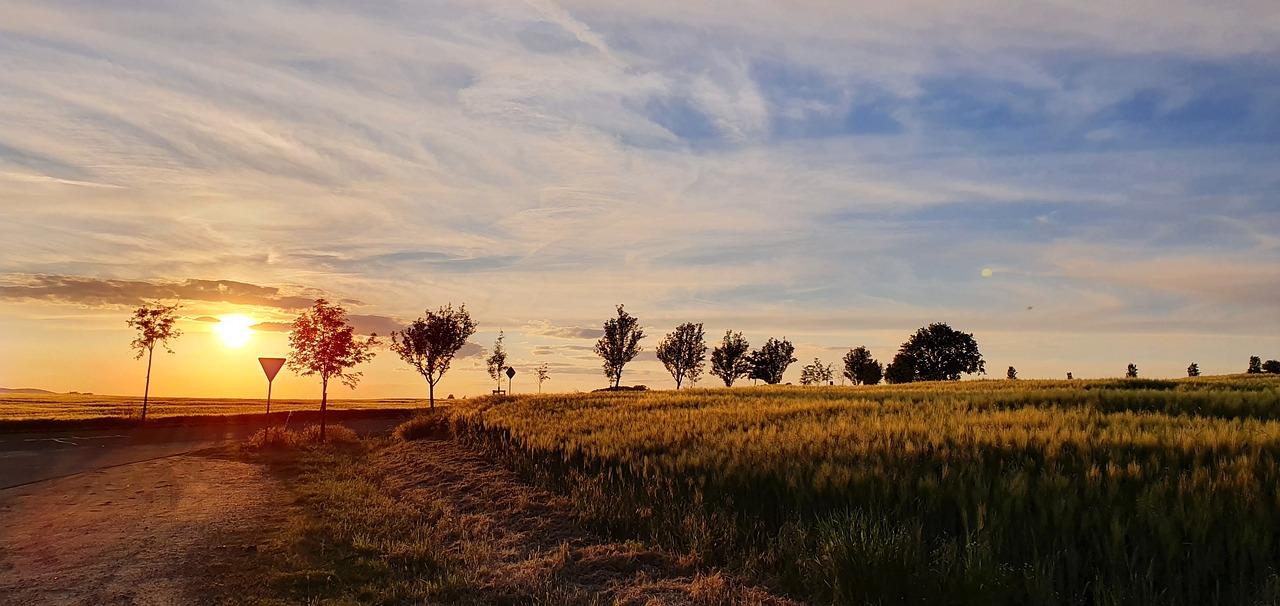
342, 539
346, 539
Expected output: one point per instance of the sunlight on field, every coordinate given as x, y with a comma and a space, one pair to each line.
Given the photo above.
75, 406
1111, 491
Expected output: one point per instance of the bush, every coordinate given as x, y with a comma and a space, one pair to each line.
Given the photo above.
281, 438
424, 426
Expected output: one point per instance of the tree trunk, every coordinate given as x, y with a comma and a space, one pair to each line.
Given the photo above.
433, 394
324, 404
146, 391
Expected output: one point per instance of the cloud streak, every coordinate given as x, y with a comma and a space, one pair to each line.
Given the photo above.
776, 169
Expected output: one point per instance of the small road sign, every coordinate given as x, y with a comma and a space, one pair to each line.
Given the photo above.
271, 367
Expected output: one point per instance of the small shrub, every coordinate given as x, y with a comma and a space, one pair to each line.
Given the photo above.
333, 434
281, 438
423, 426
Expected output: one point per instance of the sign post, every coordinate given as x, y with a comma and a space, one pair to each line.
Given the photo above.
511, 372
270, 366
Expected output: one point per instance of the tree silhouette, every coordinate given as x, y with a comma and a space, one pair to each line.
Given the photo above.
430, 342
816, 373
684, 352
155, 324
1069, 377
770, 362
543, 374
901, 370
323, 343
497, 361
1193, 370
1012, 374
941, 353
1132, 372
730, 360
860, 368
1255, 365
1271, 366
620, 344
872, 373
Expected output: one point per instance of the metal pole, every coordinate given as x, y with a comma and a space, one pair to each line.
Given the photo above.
269, 382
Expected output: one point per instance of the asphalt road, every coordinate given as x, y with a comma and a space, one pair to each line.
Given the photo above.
26, 458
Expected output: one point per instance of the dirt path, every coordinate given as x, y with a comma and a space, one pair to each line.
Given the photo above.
520, 541
143, 533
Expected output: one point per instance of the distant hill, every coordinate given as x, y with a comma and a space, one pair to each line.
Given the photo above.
23, 390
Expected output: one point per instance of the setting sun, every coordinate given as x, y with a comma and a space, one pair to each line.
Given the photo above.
234, 329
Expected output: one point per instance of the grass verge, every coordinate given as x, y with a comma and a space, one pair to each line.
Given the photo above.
343, 539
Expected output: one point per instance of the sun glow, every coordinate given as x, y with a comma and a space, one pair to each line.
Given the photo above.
234, 329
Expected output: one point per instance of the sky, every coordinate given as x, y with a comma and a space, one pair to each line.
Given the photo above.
1080, 185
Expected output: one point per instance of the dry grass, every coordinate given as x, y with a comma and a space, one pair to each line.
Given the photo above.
429, 522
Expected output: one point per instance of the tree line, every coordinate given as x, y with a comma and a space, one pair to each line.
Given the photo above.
323, 343
936, 352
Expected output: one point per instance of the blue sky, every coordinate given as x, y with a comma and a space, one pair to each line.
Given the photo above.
837, 173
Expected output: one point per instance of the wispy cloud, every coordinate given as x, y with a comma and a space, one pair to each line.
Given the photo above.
770, 168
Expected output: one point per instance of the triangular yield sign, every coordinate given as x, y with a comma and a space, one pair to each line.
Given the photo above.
271, 366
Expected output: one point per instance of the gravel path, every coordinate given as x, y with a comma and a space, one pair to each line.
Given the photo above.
142, 533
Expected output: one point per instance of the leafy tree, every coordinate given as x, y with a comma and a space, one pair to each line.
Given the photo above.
684, 352
941, 353
430, 342
1255, 365
155, 324
731, 359
1193, 370
1012, 374
817, 373
770, 362
872, 373
1069, 377
1132, 372
1271, 366
860, 368
901, 370
543, 374
620, 344
323, 343
497, 361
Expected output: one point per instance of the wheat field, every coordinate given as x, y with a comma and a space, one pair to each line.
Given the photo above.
975, 492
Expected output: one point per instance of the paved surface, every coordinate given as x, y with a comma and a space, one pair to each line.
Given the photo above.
35, 457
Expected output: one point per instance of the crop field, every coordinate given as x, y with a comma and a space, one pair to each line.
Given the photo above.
1124, 491
69, 407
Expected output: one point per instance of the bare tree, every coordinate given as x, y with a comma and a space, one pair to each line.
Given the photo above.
155, 324
730, 360
497, 361
323, 343
620, 344
430, 342
684, 352
543, 374
817, 373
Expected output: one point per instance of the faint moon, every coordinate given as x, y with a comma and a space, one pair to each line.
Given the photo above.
986, 272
